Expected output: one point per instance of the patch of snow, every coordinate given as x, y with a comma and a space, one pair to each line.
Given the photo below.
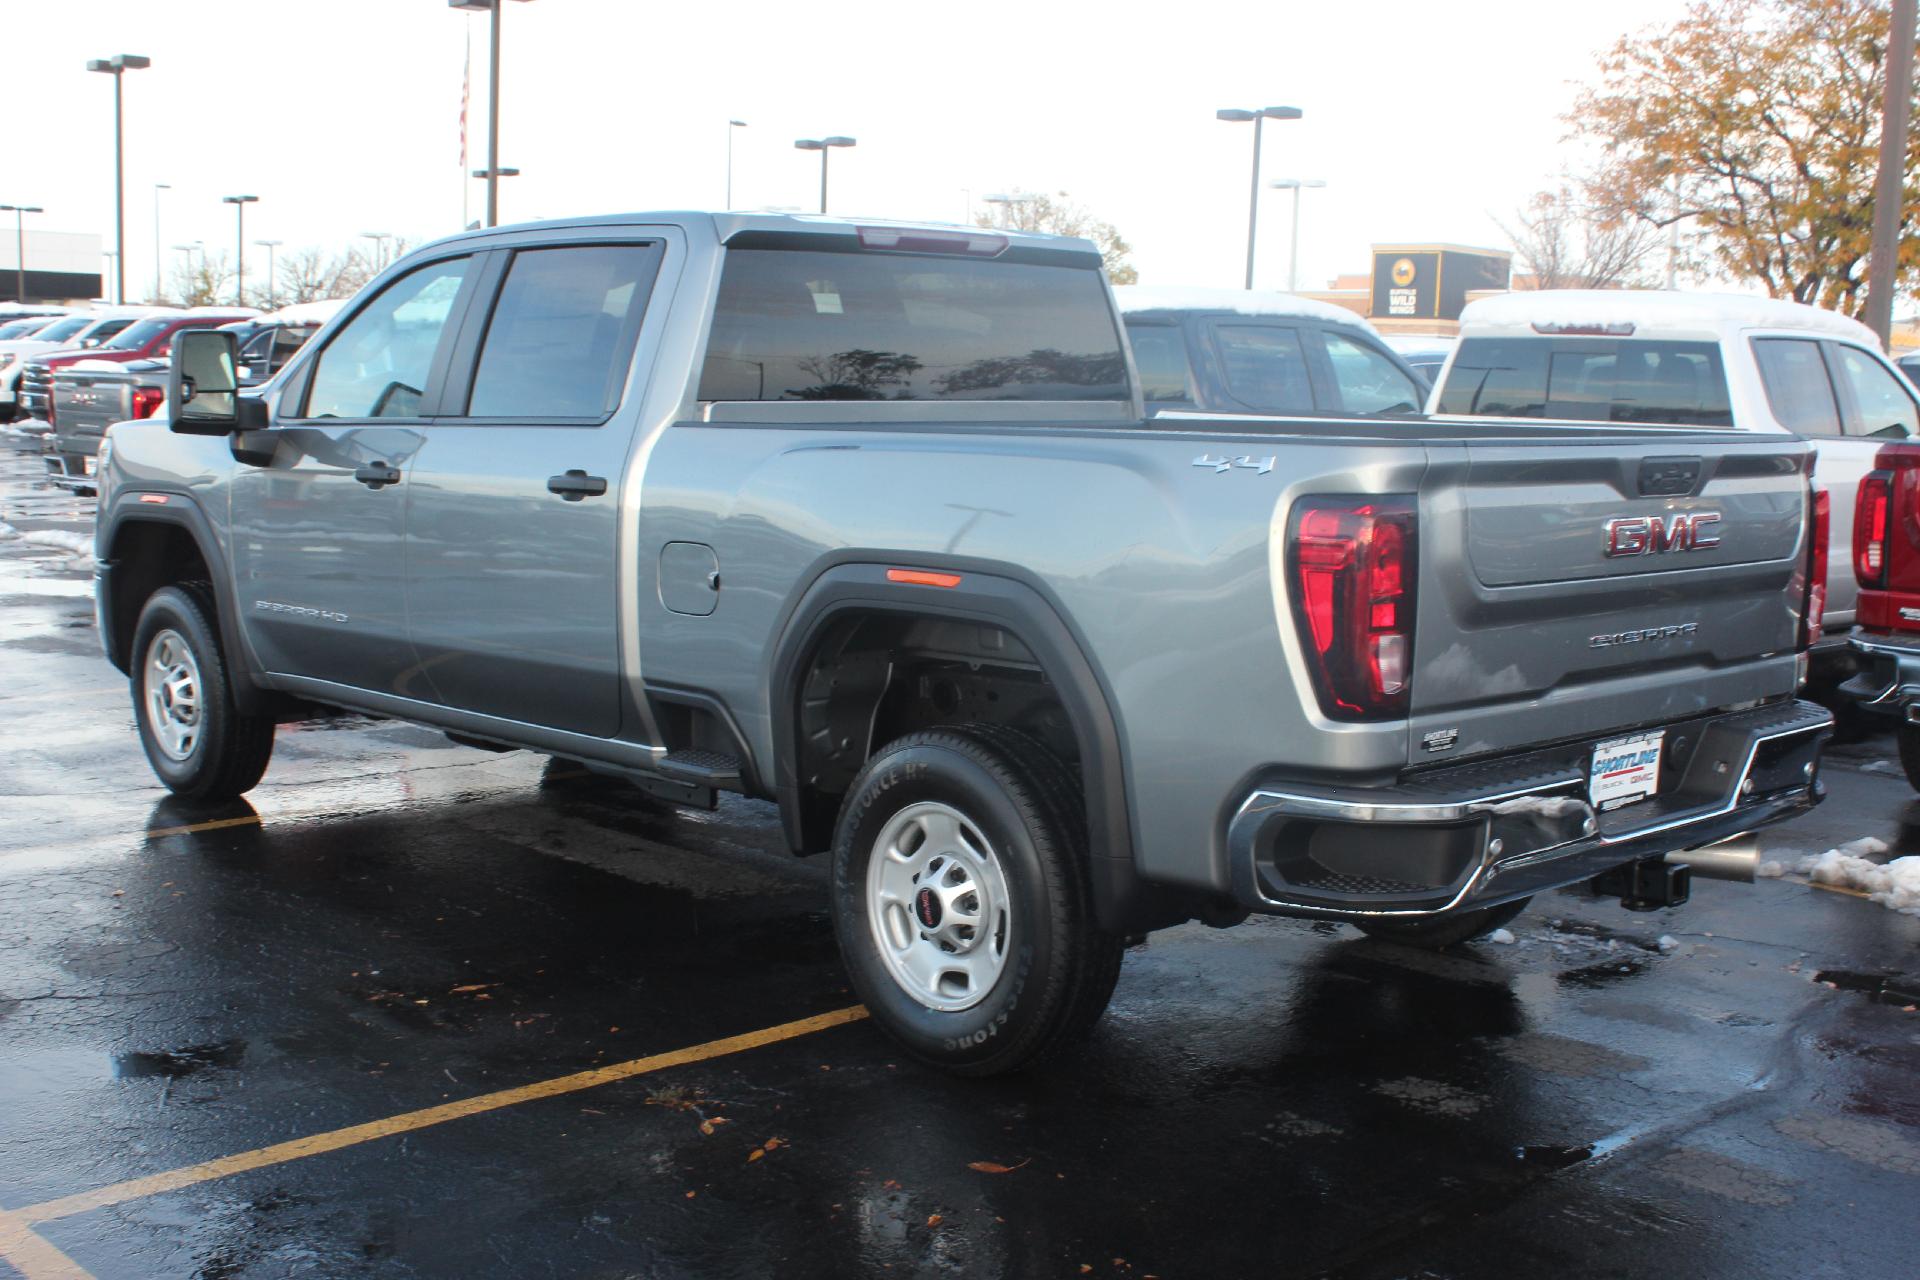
1894, 885
7, 531
1502, 937
306, 312
1134, 297
1668, 942
78, 544
1772, 869
1654, 313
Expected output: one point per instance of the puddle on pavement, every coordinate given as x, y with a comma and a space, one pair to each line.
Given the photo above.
1555, 1157
174, 1064
1599, 975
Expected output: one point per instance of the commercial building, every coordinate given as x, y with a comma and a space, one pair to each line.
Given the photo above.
62, 266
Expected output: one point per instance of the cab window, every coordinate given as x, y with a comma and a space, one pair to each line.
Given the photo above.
1160, 357
1265, 367
377, 366
562, 333
1882, 407
1797, 385
1368, 382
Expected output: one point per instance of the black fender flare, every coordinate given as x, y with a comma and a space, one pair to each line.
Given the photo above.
135, 505
990, 596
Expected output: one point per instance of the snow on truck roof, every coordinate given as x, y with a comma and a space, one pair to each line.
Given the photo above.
1136, 298
1652, 312
301, 313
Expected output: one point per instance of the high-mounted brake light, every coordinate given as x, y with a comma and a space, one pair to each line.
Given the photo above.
923, 578
1620, 329
978, 244
1351, 568
1819, 526
146, 400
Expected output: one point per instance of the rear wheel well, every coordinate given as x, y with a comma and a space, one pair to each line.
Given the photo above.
147, 555
874, 677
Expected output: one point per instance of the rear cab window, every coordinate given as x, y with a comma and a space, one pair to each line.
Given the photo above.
1799, 390
1641, 380
836, 325
1160, 359
1265, 367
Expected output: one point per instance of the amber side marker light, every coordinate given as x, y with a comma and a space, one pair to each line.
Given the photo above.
923, 578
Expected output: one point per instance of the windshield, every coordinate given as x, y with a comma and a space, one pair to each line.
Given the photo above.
19, 328
138, 335
61, 330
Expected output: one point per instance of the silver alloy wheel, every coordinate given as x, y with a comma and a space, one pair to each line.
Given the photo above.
172, 689
938, 906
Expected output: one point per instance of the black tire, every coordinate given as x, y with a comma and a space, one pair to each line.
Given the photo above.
1908, 736
228, 752
1059, 966
1444, 931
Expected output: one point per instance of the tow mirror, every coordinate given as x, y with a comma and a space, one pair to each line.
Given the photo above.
203, 387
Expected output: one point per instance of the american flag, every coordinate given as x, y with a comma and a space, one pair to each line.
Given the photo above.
466, 87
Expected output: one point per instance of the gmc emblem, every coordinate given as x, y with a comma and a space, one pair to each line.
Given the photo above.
1651, 535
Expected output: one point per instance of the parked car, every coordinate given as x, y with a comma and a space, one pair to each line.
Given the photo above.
867, 520
147, 337
1424, 353
1234, 351
88, 396
83, 330
1694, 360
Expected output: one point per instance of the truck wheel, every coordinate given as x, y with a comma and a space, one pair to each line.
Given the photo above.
196, 740
1444, 931
962, 903
1909, 737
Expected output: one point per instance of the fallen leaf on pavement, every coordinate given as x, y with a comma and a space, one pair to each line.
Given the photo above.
933, 1219
755, 1154
988, 1166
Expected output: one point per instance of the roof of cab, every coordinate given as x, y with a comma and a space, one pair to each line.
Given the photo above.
1653, 313
726, 226
1136, 299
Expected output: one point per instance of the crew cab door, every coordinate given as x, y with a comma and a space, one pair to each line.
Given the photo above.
513, 508
319, 502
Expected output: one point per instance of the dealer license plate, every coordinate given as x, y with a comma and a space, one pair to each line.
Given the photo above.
1625, 770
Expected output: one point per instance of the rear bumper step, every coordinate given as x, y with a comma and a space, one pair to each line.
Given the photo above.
1495, 830
1889, 679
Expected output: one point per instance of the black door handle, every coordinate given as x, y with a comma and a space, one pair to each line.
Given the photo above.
374, 475
577, 484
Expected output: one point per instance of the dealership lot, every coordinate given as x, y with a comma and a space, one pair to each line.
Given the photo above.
422, 1010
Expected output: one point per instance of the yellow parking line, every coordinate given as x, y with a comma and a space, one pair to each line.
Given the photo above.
251, 820
33, 1256
353, 1135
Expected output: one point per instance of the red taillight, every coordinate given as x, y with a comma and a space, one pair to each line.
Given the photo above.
1817, 532
146, 400
1870, 529
1351, 568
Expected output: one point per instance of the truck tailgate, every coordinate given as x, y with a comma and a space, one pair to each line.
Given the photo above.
86, 403
1570, 587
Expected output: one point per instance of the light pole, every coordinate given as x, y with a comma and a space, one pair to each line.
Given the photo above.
270, 246
158, 187
823, 146
731, 126
380, 239
117, 66
1293, 253
240, 204
1259, 117
19, 212
493, 172
186, 293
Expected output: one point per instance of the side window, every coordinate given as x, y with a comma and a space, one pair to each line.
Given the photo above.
287, 339
1265, 367
1886, 409
253, 355
1368, 382
562, 333
1160, 356
1797, 385
377, 366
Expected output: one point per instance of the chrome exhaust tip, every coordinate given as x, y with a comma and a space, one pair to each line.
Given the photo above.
1733, 859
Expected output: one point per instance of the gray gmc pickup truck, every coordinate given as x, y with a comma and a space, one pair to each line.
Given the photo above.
868, 520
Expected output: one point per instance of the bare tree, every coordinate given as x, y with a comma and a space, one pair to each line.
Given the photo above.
1568, 239
310, 274
1062, 216
202, 283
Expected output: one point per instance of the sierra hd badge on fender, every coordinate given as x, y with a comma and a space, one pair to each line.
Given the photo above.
1652, 535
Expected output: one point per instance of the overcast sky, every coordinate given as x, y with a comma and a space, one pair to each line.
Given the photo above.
1426, 120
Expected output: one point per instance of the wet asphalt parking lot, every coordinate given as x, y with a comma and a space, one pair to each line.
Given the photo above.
419, 1010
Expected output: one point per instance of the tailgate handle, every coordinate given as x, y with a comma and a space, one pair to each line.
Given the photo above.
1668, 477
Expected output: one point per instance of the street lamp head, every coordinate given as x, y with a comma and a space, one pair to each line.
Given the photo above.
497, 173
809, 144
118, 63
21, 208
269, 244
1234, 115
738, 124
1290, 184
837, 141
238, 199
1281, 113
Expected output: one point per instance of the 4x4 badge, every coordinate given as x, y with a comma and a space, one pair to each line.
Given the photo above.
1223, 464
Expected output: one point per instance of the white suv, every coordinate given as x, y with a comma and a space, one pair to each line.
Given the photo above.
1692, 359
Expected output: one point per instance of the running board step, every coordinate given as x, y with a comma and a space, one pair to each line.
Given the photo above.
702, 768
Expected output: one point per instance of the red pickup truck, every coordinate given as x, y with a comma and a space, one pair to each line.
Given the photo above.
1886, 563
145, 339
